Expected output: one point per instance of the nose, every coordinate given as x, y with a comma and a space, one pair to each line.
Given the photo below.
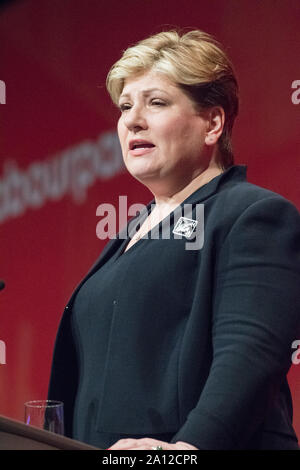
135, 119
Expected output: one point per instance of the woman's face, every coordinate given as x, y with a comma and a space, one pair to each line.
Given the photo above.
162, 135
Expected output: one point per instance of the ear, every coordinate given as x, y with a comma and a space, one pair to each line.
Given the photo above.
215, 125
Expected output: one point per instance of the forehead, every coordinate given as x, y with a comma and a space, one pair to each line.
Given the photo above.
147, 82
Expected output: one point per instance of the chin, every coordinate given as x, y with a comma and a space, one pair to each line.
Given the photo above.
143, 177
141, 173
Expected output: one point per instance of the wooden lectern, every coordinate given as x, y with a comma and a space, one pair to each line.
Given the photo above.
15, 435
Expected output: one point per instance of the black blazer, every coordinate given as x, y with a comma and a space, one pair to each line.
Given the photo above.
226, 386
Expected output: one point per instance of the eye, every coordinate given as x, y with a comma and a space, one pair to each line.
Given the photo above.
157, 102
124, 107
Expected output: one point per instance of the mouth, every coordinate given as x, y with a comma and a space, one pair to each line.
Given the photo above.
138, 143
140, 147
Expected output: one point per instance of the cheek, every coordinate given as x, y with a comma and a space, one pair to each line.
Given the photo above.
184, 141
171, 131
178, 134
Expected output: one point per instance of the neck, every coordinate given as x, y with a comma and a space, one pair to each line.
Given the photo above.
175, 197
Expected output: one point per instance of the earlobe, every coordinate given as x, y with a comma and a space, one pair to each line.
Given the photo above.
216, 125
211, 139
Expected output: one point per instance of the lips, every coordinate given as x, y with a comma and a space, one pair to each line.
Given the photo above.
140, 144
139, 147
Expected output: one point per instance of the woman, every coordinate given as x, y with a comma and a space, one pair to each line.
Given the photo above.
168, 346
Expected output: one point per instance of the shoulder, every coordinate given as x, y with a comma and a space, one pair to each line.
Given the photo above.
244, 198
245, 194
262, 221
242, 209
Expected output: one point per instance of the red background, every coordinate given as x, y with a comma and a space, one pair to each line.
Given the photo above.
54, 57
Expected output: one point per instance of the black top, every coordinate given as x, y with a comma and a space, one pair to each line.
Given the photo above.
97, 305
198, 342
123, 287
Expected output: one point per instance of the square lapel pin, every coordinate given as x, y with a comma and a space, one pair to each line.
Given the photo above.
185, 227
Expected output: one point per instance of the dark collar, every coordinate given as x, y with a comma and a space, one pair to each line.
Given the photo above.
233, 174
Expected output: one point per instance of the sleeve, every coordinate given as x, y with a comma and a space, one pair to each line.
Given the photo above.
254, 322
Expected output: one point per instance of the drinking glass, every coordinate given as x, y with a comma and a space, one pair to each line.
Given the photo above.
45, 414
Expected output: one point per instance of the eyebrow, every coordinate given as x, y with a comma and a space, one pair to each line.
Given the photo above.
145, 92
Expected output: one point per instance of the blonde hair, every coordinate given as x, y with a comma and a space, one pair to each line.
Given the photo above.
197, 63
